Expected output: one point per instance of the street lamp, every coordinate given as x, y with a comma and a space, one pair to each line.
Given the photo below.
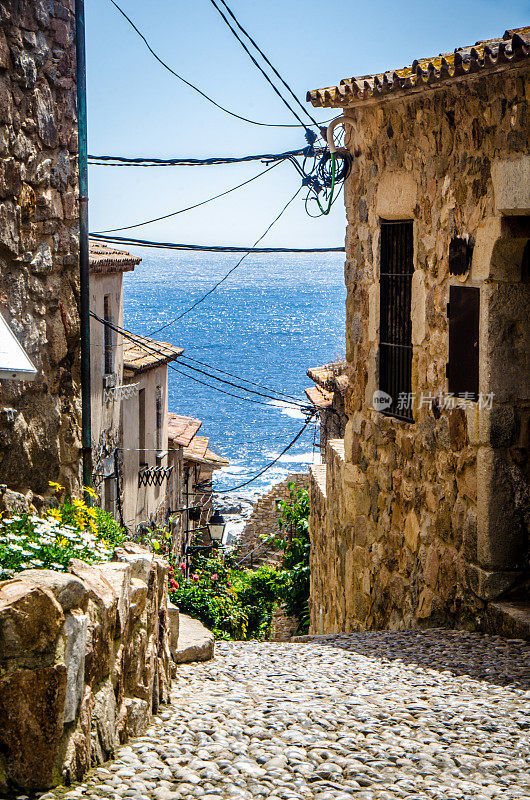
216, 527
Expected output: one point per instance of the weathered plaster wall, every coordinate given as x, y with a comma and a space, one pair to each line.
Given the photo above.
105, 415
39, 441
144, 503
424, 522
84, 662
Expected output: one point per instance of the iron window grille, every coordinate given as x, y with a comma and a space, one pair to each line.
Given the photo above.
395, 337
108, 335
154, 476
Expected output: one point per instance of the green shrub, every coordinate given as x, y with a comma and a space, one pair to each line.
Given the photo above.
294, 541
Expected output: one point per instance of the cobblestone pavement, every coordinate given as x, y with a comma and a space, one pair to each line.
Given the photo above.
435, 714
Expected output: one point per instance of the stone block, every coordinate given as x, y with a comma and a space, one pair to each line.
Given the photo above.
418, 309
30, 619
500, 534
119, 577
75, 631
138, 714
102, 611
140, 559
104, 716
195, 642
397, 193
511, 185
173, 620
490, 585
69, 591
31, 725
138, 597
412, 530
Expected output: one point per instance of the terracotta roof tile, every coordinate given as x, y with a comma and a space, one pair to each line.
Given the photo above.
199, 453
319, 397
485, 56
103, 259
181, 430
326, 376
138, 355
196, 450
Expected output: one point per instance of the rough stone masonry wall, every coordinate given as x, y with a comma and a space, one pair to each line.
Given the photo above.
84, 662
39, 421
263, 522
403, 538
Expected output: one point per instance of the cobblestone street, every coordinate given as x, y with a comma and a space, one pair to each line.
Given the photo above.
415, 715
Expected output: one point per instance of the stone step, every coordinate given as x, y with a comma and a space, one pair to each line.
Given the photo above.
195, 642
509, 619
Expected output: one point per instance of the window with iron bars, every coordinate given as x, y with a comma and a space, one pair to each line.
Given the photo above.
395, 336
108, 335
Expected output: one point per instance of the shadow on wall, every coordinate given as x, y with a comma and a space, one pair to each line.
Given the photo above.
476, 656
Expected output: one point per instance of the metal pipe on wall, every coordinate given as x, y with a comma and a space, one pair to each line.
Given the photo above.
84, 268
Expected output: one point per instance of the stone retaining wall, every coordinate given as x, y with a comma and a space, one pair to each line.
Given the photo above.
84, 663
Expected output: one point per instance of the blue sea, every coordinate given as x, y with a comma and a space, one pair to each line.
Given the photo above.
275, 317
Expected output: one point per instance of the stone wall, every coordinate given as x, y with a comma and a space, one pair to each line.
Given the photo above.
84, 663
39, 421
425, 522
263, 522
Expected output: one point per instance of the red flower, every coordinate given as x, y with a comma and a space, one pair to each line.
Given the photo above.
174, 585
183, 566
195, 576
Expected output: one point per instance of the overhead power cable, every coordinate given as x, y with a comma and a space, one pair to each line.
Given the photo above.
148, 346
267, 78
189, 208
272, 463
231, 375
211, 248
243, 388
230, 271
192, 86
267, 158
262, 54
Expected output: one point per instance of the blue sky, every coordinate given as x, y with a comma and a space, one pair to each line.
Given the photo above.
136, 108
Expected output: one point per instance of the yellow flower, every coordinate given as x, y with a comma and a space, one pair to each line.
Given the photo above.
63, 542
90, 491
54, 513
56, 486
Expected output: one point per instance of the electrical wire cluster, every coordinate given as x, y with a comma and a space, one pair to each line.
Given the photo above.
319, 173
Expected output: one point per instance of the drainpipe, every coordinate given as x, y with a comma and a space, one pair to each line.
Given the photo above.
84, 310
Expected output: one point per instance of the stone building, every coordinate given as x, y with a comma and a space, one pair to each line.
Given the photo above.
422, 514
39, 421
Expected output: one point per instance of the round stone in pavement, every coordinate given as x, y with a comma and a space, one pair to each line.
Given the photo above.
417, 715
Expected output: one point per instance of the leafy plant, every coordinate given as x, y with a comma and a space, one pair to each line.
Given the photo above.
294, 540
31, 542
69, 529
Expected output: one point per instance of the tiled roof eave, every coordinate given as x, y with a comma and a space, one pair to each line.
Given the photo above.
137, 369
355, 92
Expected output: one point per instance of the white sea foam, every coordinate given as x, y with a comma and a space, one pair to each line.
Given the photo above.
291, 458
287, 408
